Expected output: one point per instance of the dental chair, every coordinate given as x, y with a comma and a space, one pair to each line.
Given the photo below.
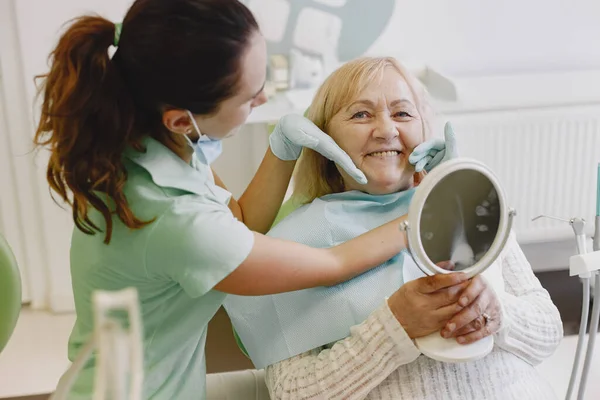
10, 292
248, 384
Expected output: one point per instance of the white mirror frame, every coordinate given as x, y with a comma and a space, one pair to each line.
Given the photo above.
413, 226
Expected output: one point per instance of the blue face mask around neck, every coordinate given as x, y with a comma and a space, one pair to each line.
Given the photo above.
207, 150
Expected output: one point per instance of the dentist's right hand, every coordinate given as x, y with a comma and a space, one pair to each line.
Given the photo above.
293, 132
425, 305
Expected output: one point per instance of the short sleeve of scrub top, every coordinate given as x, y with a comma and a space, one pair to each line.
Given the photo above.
197, 243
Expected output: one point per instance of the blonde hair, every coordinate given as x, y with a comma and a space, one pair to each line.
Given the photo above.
315, 175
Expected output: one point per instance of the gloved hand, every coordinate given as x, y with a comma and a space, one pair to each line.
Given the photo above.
293, 132
431, 153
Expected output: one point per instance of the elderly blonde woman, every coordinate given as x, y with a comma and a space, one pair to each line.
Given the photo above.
379, 114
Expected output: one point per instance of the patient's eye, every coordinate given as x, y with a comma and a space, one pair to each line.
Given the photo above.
360, 115
402, 114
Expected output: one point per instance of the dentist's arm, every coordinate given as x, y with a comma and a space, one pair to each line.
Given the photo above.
258, 206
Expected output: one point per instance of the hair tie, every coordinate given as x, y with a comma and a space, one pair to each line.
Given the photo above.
118, 28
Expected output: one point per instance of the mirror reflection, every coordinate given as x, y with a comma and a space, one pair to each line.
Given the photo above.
460, 220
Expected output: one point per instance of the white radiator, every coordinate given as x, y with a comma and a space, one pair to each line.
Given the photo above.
545, 158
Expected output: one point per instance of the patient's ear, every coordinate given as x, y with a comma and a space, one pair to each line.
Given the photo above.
418, 177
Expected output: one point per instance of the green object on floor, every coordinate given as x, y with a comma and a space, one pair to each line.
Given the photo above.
10, 292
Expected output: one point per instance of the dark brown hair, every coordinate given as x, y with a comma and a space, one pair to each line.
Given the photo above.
171, 53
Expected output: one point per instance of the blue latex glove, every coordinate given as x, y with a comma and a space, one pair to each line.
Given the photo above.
293, 132
431, 153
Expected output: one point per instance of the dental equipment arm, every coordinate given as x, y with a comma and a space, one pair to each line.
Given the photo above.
585, 265
590, 264
119, 365
580, 239
592, 339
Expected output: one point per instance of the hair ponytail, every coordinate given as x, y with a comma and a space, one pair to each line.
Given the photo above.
87, 121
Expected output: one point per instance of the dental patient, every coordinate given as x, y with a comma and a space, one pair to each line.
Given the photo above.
355, 340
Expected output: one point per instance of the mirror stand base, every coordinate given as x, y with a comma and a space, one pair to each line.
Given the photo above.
449, 350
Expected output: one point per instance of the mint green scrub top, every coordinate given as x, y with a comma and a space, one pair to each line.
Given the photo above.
174, 263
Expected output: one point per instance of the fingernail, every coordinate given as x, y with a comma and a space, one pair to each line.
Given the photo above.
451, 326
463, 301
461, 340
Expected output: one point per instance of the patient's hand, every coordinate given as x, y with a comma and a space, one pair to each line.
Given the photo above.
481, 316
424, 305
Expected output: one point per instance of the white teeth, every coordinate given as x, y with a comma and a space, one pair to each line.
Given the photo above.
385, 153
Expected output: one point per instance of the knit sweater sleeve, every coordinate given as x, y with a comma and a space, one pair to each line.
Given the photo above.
351, 368
531, 324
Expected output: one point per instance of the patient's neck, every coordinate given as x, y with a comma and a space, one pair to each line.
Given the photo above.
378, 191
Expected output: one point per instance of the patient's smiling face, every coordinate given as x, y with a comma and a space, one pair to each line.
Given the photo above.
379, 129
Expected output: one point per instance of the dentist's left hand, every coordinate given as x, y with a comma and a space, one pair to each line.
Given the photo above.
293, 132
431, 153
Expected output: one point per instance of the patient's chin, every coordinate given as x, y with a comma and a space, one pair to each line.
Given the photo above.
379, 186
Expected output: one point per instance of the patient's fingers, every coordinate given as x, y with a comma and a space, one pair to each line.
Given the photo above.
430, 284
472, 326
443, 314
448, 295
477, 286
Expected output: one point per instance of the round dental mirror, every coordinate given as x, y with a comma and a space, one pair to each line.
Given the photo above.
458, 220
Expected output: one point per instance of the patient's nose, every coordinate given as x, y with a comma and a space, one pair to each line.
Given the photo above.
385, 128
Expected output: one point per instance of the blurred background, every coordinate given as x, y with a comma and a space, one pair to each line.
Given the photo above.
520, 80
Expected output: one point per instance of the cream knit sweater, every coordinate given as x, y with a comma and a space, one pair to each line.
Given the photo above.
378, 361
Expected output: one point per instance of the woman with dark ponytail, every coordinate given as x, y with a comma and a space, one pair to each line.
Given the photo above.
128, 137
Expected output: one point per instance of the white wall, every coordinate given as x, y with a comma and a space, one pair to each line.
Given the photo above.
461, 36
38, 23
41, 21
484, 37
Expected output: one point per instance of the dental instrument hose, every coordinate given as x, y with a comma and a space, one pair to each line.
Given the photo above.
596, 308
585, 308
592, 338
578, 228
